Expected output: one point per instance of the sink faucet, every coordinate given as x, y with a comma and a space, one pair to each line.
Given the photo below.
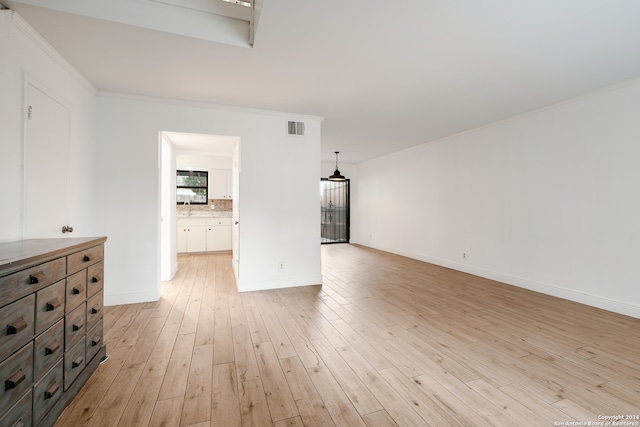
187, 202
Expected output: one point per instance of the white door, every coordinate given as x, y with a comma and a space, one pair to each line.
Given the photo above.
46, 169
235, 226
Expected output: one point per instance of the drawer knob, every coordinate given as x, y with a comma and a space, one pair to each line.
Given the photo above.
53, 304
16, 326
15, 379
33, 280
75, 291
51, 391
96, 278
51, 348
77, 362
96, 341
95, 310
75, 327
86, 258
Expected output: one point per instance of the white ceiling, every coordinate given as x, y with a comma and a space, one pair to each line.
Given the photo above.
385, 75
212, 145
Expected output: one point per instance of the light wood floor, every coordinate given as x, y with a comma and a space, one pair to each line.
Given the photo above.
385, 341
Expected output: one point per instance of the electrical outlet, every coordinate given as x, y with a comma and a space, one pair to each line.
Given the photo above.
281, 266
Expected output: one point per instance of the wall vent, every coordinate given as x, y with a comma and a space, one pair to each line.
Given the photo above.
296, 128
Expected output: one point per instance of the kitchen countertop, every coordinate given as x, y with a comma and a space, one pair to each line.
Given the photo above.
206, 215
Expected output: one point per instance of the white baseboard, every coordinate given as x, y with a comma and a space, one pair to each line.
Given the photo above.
289, 282
129, 298
544, 288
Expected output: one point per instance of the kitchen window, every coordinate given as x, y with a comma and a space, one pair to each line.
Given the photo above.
192, 187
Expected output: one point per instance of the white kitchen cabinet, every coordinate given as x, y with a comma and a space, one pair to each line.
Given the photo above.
221, 184
219, 234
204, 234
192, 235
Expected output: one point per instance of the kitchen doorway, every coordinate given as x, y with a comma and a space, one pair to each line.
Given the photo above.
334, 208
220, 156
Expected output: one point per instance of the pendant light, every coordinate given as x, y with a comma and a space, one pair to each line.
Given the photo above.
336, 175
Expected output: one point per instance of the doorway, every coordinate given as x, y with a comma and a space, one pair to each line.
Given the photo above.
224, 152
334, 208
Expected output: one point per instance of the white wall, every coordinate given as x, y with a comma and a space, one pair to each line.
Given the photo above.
24, 56
279, 217
115, 173
547, 201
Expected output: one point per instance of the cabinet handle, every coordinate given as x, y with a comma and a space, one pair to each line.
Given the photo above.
86, 258
96, 278
75, 327
17, 326
52, 348
53, 304
67, 229
75, 291
95, 341
77, 362
95, 310
15, 379
51, 391
33, 280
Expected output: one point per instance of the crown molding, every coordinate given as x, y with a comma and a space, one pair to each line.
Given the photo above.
26, 29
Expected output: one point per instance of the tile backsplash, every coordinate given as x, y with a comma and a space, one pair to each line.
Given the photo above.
219, 205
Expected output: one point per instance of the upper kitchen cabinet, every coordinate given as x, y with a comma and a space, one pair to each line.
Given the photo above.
221, 184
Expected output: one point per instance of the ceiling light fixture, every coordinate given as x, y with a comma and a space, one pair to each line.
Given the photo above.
336, 175
239, 2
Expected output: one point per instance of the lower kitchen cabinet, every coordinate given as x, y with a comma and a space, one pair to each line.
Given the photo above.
51, 299
204, 234
219, 234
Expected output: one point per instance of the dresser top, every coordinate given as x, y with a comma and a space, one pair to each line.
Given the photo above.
24, 253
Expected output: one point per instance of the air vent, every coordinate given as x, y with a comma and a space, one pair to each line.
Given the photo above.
296, 128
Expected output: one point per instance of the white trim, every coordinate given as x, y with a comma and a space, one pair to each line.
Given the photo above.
544, 288
289, 282
606, 89
50, 51
130, 298
206, 105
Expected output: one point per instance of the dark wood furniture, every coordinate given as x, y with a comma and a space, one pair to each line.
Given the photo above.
51, 336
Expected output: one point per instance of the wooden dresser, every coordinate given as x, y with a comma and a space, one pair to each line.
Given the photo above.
51, 337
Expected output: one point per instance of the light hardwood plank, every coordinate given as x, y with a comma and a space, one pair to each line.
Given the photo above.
384, 341
197, 397
276, 389
225, 407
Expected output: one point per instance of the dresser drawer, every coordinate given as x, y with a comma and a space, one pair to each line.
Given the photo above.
75, 326
49, 348
85, 258
47, 391
16, 327
74, 363
76, 290
27, 281
49, 305
94, 310
94, 340
16, 376
20, 414
94, 278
